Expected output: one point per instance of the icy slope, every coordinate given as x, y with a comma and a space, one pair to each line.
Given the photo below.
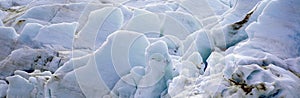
149, 48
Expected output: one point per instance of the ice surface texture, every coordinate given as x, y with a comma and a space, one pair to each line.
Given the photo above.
149, 48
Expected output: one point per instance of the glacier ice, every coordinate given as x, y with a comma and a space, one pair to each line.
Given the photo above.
149, 48
8, 37
100, 29
28, 59
127, 85
15, 82
136, 21
157, 72
3, 88
28, 34
63, 33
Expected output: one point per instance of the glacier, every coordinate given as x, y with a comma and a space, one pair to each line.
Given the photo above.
149, 48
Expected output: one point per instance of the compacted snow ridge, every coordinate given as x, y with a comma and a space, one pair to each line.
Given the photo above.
149, 48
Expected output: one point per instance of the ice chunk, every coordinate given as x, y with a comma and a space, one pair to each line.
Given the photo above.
158, 71
50, 14
14, 90
144, 23
110, 64
215, 63
3, 88
28, 59
61, 35
126, 86
175, 45
8, 33
136, 51
64, 81
92, 86
189, 45
127, 13
8, 37
179, 24
188, 21
29, 33
200, 9
63, 85
189, 70
37, 79
100, 24
196, 59
90, 7
135, 57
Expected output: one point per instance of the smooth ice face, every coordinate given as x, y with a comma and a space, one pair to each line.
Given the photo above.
7, 37
138, 24
179, 24
101, 23
29, 33
63, 35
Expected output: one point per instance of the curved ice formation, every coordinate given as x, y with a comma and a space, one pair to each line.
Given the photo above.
149, 48
109, 19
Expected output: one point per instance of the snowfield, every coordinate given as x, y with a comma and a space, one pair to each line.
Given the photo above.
149, 48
